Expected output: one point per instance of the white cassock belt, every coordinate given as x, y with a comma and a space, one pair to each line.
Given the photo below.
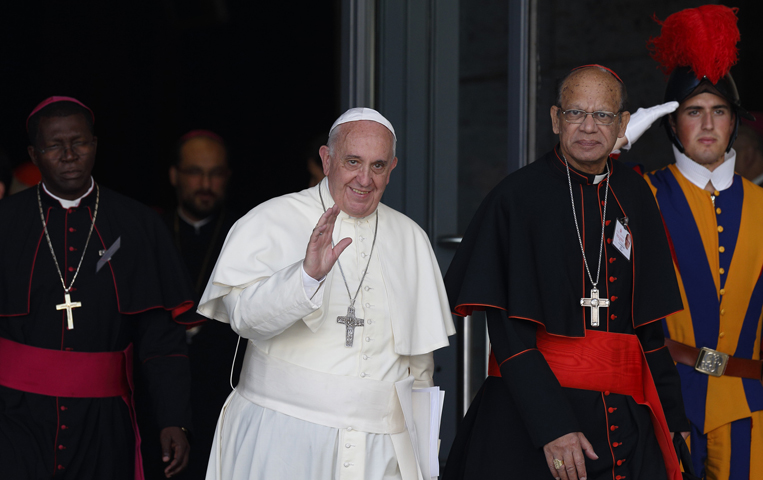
332, 400
350, 404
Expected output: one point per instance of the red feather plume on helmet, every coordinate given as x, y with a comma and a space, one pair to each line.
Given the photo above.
702, 38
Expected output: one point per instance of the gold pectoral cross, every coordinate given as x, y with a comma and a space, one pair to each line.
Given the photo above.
68, 305
594, 303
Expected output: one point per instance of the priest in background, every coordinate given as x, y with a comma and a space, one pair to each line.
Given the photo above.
200, 175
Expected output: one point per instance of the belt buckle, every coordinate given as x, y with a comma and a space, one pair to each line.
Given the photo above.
711, 362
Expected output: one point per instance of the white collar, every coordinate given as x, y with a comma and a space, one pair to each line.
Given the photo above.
721, 178
71, 203
196, 225
598, 178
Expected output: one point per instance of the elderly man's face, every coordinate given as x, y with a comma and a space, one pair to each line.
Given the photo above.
65, 154
586, 145
200, 177
704, 124
359, 169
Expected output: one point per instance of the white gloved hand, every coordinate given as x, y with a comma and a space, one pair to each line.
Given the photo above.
643, 119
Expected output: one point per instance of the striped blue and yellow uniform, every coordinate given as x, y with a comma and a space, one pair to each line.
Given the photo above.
717, 245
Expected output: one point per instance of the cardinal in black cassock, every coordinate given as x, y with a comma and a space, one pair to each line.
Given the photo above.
66, 405
552, 372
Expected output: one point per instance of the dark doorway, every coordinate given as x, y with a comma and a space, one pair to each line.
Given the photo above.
266, 79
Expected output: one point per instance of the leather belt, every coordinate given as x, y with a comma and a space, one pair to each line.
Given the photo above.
711, 362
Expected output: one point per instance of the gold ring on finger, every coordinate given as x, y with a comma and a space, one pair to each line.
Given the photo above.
558, 464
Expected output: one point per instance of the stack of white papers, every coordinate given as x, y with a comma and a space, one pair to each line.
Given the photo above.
424, 427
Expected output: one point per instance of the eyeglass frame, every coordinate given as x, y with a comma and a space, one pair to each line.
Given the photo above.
562, 112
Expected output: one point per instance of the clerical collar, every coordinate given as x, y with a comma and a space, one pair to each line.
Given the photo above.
721, 178
586, 178
70, 203
196, 225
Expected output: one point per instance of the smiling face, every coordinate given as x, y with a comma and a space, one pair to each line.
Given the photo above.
587, 145
704, 124
65, 154
359, 168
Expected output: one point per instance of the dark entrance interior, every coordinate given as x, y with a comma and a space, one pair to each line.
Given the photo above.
265, 78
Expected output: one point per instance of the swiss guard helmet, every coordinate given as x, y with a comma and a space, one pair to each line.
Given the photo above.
697, 48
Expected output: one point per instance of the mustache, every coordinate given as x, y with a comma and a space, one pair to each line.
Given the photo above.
205, 192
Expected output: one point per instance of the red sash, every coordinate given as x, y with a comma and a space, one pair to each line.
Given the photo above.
59, 373
604, 361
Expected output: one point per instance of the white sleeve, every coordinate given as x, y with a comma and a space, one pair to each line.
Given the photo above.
266, 308
422, 368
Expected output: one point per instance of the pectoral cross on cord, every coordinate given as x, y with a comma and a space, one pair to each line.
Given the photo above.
68, 305
594, 303
350, 321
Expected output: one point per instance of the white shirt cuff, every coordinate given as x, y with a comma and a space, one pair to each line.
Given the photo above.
313, 288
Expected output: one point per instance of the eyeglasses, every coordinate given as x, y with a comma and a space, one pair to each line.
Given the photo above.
578, 116
57, 150
197, 173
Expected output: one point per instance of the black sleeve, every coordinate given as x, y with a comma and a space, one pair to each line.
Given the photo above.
162, 353
540, 398
665, 375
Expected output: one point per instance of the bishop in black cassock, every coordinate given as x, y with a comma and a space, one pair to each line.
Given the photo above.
66, 407
521, 261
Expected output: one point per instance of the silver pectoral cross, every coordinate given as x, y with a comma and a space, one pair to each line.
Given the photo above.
68, 305
594, 303
350, 321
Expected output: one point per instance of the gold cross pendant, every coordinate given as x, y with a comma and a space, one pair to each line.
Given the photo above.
68, 305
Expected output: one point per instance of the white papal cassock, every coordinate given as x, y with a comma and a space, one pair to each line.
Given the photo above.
307, 406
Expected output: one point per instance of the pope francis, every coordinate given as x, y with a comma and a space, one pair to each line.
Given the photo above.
343, 303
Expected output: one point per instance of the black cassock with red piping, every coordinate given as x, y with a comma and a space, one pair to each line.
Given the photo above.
521, 261
138, 297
